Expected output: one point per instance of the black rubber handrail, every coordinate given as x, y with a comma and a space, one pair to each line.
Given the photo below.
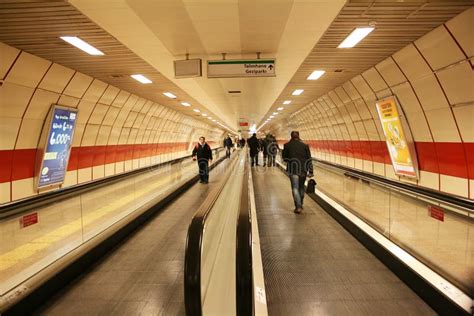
244, 274
460, 202
47, 198
193, 250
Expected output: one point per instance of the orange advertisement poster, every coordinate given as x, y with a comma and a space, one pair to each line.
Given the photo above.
395, 137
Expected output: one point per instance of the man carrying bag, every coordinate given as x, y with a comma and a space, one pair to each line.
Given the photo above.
299, 165
202, 151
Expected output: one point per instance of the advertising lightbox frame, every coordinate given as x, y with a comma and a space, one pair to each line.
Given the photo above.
406, 137
43, 145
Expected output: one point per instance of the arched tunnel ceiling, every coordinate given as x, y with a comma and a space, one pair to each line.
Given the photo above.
161, 31
398, 23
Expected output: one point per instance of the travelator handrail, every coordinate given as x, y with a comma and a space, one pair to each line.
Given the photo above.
405, 188
244, 269
192, 265
47, 198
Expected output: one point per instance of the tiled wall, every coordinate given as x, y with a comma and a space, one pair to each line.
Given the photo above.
434, 82
116, 131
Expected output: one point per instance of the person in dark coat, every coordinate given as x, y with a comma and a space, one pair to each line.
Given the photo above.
202, 151
228, 146
264, 147
272, 149
299, 165
242, 142
254, 146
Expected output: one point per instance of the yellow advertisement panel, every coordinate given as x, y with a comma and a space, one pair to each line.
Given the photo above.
399, 148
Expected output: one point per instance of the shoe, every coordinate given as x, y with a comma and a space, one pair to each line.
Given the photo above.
298, 210
200, 181
205, 182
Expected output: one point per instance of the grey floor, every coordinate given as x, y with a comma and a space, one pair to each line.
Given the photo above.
312, 266
142, 276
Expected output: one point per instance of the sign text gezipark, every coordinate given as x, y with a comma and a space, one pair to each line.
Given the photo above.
241, 68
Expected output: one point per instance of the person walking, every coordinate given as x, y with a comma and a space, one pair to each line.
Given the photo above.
242, 142
272, 151
228, 146
202, 151
264, 147
254, 145
299, 165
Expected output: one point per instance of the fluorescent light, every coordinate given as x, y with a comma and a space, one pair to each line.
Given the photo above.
271, 116
210, 117
185, 104
280, 108
213, 120
76, 41
355, 37
196, 110
315, 75
141, 78
275, 113
170, 95
287, 102
297, 92
204, 114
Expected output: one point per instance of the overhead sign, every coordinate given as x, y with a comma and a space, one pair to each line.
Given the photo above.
241, 68
399, 143
55, 155
436, 213
243, 123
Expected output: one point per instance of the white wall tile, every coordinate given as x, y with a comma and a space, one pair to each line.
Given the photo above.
14, 99
379, 168
109, 169
471, 189
374, 80
465, 119
85, 110
390, 72
98, 114
8, 55
419, 126
429, 180
8, 132
429, 93
78, 85
111, 115
98, 172
28, 70
4, 192
103, 136
56, 78
407, 98
78, 132
23, 188
90, 135
458, 83
411, 62
84, 175
439, 48
442, 125
461, 27
68, 101
121, 98
119, 167
95, 91
70, 178
454, 185
40, 104
109, 95
29, 135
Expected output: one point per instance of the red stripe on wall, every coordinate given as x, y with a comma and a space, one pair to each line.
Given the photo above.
20, 163
444, 158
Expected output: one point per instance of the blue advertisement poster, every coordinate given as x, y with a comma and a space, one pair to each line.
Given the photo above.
58, 145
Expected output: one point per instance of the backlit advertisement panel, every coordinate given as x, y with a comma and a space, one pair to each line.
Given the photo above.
55, 154
398, 138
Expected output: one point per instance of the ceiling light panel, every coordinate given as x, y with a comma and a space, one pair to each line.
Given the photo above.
355, 37
297, 92
86, 47
185, 104
287, 102
141, 79
170, 95
315, 75
196, 110
280, 108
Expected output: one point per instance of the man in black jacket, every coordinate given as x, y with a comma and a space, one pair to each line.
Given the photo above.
203, 153
254, 146
297, 156
228, 146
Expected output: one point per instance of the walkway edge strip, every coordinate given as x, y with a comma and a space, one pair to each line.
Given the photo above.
260, 298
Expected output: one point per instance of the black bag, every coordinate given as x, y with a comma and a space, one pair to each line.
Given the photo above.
311, 186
